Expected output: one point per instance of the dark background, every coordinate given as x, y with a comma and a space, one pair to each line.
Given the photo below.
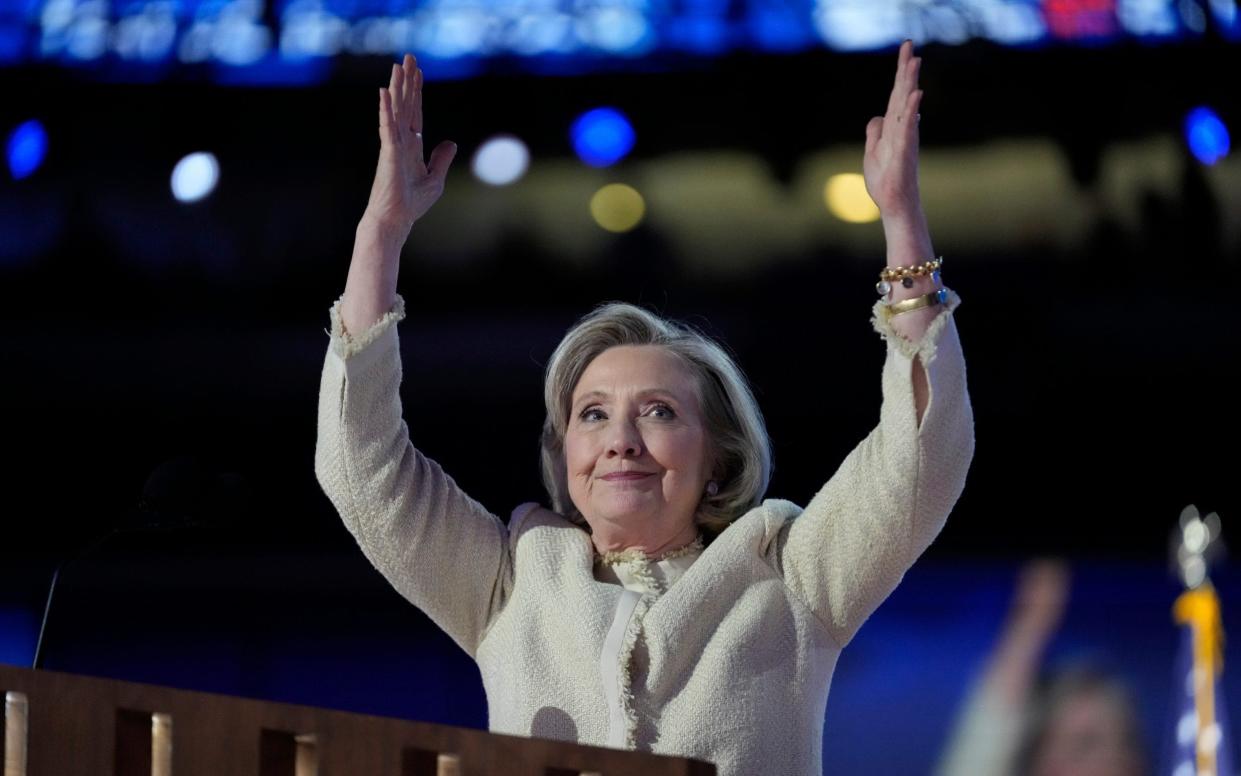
161, 366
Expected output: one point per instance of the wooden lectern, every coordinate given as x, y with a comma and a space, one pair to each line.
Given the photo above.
65, 725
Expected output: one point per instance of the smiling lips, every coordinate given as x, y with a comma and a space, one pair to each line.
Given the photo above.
626, 476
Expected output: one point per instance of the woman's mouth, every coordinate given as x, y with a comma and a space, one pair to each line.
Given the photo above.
626, 476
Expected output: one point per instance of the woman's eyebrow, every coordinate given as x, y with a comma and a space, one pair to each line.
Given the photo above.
591, 396
664, 393
642, 393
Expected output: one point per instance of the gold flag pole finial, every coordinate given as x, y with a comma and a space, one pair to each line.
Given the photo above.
1196, 544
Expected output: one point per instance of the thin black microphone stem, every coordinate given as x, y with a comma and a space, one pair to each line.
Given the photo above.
51, 591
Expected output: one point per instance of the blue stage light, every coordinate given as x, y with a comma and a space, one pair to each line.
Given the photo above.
602, 137
776, 27
1206, 134
26, 148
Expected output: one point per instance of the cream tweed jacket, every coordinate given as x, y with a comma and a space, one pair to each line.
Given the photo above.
732, 664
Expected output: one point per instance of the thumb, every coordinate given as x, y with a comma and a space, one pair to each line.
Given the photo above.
874, 130
441, 158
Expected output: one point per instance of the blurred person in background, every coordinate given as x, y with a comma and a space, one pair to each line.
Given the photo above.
1076, 721
661, 604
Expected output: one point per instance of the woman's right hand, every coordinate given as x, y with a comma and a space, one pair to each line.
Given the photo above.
405, 186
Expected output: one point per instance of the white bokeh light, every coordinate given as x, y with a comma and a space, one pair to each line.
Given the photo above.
1187, 729
501, 160
195, 177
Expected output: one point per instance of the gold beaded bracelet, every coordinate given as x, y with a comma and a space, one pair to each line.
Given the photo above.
906, 275
917, 303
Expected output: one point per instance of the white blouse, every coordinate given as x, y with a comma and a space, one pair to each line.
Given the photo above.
635, 570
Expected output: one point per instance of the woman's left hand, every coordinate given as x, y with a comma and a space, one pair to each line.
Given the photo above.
890, 165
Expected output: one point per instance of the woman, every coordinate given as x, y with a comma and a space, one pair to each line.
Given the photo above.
1075, 721
629, 615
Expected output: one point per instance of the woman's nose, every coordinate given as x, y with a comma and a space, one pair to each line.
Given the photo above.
626, 441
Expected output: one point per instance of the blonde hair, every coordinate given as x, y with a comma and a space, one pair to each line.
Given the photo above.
737, 436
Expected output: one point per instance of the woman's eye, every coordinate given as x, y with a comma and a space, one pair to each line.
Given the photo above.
662, 411
591, 414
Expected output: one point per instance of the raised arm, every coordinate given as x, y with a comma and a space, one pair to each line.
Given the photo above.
856, 538
405, 188
437, 546
987, 733
890, 167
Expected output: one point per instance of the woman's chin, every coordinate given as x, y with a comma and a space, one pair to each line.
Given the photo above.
627, 517
632, 510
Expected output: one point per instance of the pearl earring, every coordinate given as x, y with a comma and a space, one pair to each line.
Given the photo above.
712, 488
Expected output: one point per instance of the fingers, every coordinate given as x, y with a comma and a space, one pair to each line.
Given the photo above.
902, 59
387, 121
909, 113
906, 80
903, 56
400, 108
904, 126
415, 122
901, 133
410, 118
408, 76
396, 94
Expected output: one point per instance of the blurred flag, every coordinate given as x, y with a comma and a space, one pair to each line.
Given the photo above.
1202, 745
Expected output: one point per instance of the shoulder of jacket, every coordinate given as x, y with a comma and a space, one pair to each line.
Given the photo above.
773, 512
531, 515
759, 527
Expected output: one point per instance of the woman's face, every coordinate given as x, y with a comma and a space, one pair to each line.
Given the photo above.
636, 448
1087, 737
